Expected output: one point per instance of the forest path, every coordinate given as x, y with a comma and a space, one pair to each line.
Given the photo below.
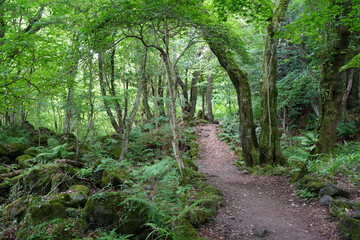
256, 205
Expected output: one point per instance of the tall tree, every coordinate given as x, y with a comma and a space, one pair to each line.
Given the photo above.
269, 142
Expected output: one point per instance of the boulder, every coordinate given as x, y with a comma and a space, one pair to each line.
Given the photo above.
185, 231
25, 160
82, 189
325, 200
333, 191
112, 210
55, 229
42, 213
338, 208
17, 209
349, 228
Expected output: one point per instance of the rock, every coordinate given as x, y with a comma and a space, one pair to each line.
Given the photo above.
25, 160
333, 191
185, 231
356, 208
77, 200
115, 177
112, 210
261, 232
325, 200
349, 228
82, 189
209, 197
17, 209
55, 229
42, 213
338, 208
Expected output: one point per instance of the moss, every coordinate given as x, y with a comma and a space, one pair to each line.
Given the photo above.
185, 231
4, 169
338, 208
349, 228
209, 199
82, 189
45, 212
17, 209
101, 210
110, 210
55, 229
199, 216
25, 160
301, 173
115, 177
42, 179
315, 187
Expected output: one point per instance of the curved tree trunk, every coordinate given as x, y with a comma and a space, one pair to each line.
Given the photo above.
269, 142
239, 79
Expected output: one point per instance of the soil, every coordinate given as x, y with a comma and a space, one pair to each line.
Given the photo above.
257, 207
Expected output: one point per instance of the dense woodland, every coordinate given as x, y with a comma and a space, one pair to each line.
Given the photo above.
99, 99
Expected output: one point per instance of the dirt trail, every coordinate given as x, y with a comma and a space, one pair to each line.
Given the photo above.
256, 207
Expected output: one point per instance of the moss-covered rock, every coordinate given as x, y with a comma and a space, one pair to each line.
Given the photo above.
40, 213
55, 229
25, 160
339, 208
17, 209
115, 177
112, 210
349, 228
82, 189
333, 191
300, 173
4, 169
42, 179
185, 231
208, 199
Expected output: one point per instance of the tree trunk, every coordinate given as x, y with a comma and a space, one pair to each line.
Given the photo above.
269, 142
239, 79
209, 112
145, 77
130, 120
333, 84
170, 72
193, 94
104, 94
112, 91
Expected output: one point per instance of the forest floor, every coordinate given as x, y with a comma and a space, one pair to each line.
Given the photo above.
257, 207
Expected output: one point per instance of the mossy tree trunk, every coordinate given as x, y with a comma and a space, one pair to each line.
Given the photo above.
209, 113
193, 93
333, 80
269, 142
239, 79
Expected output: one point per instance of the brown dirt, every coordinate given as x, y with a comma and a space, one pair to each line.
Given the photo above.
256, 203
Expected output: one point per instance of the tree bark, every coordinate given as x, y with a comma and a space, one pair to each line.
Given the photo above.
239, 79
130, 120
333, 83
104, 94
193, 94
145, 77
209, 112
269, 141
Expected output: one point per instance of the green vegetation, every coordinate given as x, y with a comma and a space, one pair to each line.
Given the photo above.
98, 100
